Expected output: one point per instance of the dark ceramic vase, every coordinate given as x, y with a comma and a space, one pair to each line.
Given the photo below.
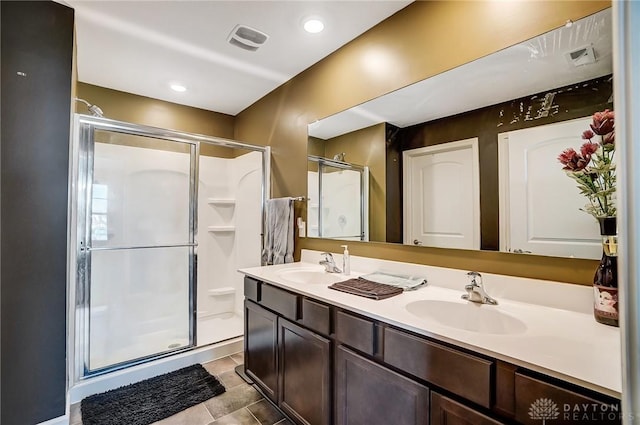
605, 280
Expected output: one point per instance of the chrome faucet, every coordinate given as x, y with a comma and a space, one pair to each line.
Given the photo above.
329, 264
475, 290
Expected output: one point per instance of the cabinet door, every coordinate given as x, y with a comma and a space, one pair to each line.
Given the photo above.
305, 378
368, 393
260, 348
537, 400
445, 411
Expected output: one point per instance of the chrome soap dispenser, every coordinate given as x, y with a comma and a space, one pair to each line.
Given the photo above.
346, 266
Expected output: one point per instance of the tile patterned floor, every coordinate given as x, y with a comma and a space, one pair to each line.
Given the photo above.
241, 404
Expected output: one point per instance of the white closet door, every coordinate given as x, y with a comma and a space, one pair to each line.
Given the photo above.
539, 204
442, 195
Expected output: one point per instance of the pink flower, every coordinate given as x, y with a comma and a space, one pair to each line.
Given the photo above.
567, 156
592, 166
572, 160
609, 139
588, 149
587, 135
603, 122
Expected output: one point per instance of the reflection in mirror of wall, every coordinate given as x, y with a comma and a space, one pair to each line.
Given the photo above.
561, 75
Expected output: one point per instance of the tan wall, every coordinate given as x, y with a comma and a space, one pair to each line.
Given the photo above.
136, 109
367, 147
316, 146
424, 39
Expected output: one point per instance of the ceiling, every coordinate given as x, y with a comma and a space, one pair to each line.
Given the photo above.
143, 47
534, 66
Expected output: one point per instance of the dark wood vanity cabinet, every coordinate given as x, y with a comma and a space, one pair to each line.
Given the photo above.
324, 365
260, 348
445, 411
536, 398
465, 375
290, 363
305, 374
369, 393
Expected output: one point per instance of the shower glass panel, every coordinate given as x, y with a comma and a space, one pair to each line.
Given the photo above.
339, 199
139, 304
162, 222
146, 182
137, 246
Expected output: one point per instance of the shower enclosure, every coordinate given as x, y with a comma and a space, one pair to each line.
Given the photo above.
161, 221
339, 199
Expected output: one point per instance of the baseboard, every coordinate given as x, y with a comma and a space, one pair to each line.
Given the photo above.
60, 420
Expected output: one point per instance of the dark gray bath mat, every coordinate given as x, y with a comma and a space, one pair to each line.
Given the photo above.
151, 400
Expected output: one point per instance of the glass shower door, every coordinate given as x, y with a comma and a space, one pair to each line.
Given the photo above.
341, 202
137, 247
339, 195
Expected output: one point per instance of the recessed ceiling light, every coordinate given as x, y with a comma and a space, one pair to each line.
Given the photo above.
313, 26
178, 87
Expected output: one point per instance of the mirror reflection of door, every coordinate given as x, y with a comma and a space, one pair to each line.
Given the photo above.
539, 205
442, 195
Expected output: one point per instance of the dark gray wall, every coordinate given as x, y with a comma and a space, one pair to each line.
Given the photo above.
37, 39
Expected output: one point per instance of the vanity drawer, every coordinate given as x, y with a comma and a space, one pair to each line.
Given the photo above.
447, 411
280, 301
355, 332
572, 407
251, 289
316, 316
458, 372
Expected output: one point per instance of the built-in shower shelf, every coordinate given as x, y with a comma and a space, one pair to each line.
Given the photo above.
221, 201
221, 229
313, 205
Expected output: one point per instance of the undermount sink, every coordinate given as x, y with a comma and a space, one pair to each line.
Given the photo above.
311, 276
472, 317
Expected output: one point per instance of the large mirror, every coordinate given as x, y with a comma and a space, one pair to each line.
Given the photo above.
468, 158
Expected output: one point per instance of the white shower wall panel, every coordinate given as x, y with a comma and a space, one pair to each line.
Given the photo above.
213, 247
229, 231
247, 174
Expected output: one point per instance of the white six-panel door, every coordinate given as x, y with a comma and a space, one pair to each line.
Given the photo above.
539, 204
441, 202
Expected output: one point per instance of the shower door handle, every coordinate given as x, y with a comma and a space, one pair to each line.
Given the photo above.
116, 248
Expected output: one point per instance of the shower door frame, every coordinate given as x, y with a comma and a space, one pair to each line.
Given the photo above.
80, 181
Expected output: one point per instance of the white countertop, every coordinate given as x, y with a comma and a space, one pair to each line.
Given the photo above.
559, 338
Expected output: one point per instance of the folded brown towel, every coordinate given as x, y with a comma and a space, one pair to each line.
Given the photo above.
366, 288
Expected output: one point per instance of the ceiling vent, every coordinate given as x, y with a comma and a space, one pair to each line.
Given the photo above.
247, 38
582, 56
